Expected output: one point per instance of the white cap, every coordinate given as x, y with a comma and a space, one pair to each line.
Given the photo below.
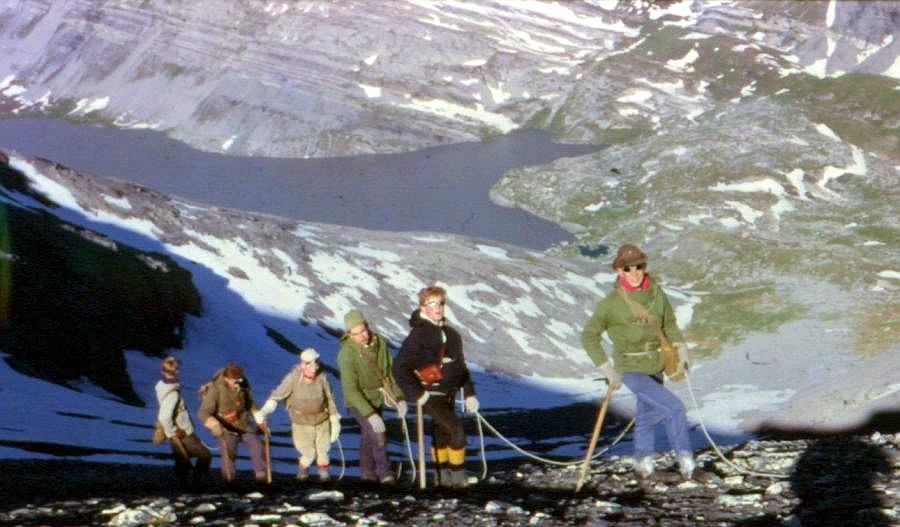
309, 355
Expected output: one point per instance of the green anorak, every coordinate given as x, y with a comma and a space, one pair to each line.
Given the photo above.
635, 340
364, 370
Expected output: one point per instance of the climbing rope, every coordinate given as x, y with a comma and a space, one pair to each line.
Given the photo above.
481, 419
412, 463
715, 447
343, 462
546, 460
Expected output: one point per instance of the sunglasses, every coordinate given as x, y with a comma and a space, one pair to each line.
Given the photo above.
435, 303
639, 267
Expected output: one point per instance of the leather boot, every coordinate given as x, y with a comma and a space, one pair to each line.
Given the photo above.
458, 478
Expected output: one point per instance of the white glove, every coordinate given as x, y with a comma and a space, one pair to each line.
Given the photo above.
402, 408
472, 404
423, 398
335, 427
260, 415
613, 378
377, 423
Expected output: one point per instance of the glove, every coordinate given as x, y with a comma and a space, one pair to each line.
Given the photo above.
402, 408
423, 398
613, 378
472, 404
335, 427
377, 423
260, 415
214, 427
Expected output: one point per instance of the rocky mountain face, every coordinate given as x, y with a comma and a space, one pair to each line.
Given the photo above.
837, 481
73, 300
322, 271
318, 79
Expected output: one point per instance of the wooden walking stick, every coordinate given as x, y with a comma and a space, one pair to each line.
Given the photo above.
268, 446
590, 452
420, 433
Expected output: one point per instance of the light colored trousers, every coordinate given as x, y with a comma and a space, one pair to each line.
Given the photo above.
313, 442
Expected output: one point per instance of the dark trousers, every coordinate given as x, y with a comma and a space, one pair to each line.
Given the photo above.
373, 458
187, 473
446, 427
228, 443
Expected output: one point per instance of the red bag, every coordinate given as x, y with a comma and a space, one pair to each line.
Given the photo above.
430, 374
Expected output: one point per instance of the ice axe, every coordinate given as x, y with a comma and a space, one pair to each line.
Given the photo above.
590, 452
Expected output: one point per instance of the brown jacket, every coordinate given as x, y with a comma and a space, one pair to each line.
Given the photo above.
231, 408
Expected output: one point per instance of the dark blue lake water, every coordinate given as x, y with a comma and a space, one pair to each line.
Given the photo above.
443, 189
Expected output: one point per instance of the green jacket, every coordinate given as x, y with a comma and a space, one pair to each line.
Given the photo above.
635, 342
362, 370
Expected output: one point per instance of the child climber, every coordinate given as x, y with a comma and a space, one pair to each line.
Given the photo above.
315, 422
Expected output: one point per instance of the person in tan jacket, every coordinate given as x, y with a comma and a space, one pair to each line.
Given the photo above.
315, 422
226, 408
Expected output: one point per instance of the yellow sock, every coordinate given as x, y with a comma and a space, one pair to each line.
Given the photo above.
440, 455
456, 456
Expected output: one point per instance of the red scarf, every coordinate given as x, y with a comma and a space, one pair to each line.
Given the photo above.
645, 285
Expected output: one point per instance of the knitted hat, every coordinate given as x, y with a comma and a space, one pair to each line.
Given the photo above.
309, 355
353, 318
629, 255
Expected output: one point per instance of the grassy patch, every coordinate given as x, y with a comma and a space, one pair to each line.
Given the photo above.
726, 318
878, 329
862, 109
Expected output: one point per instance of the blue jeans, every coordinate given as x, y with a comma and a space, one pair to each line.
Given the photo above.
656, 404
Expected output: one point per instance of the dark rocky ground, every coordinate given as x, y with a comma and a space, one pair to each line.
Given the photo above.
831, 480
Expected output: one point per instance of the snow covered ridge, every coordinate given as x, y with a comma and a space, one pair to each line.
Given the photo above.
316, 273
324, 78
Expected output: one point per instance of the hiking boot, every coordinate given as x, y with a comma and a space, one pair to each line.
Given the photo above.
686, 465
302, 473
443, 477
458, 478
388, 480
644, 467
323, 473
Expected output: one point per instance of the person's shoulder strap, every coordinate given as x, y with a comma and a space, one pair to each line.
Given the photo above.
641, 312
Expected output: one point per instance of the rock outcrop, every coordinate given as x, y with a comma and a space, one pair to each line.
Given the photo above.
324, 79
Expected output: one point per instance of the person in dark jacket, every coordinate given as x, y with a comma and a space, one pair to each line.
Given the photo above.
430, 368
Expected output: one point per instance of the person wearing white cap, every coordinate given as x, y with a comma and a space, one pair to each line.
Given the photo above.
315, 421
